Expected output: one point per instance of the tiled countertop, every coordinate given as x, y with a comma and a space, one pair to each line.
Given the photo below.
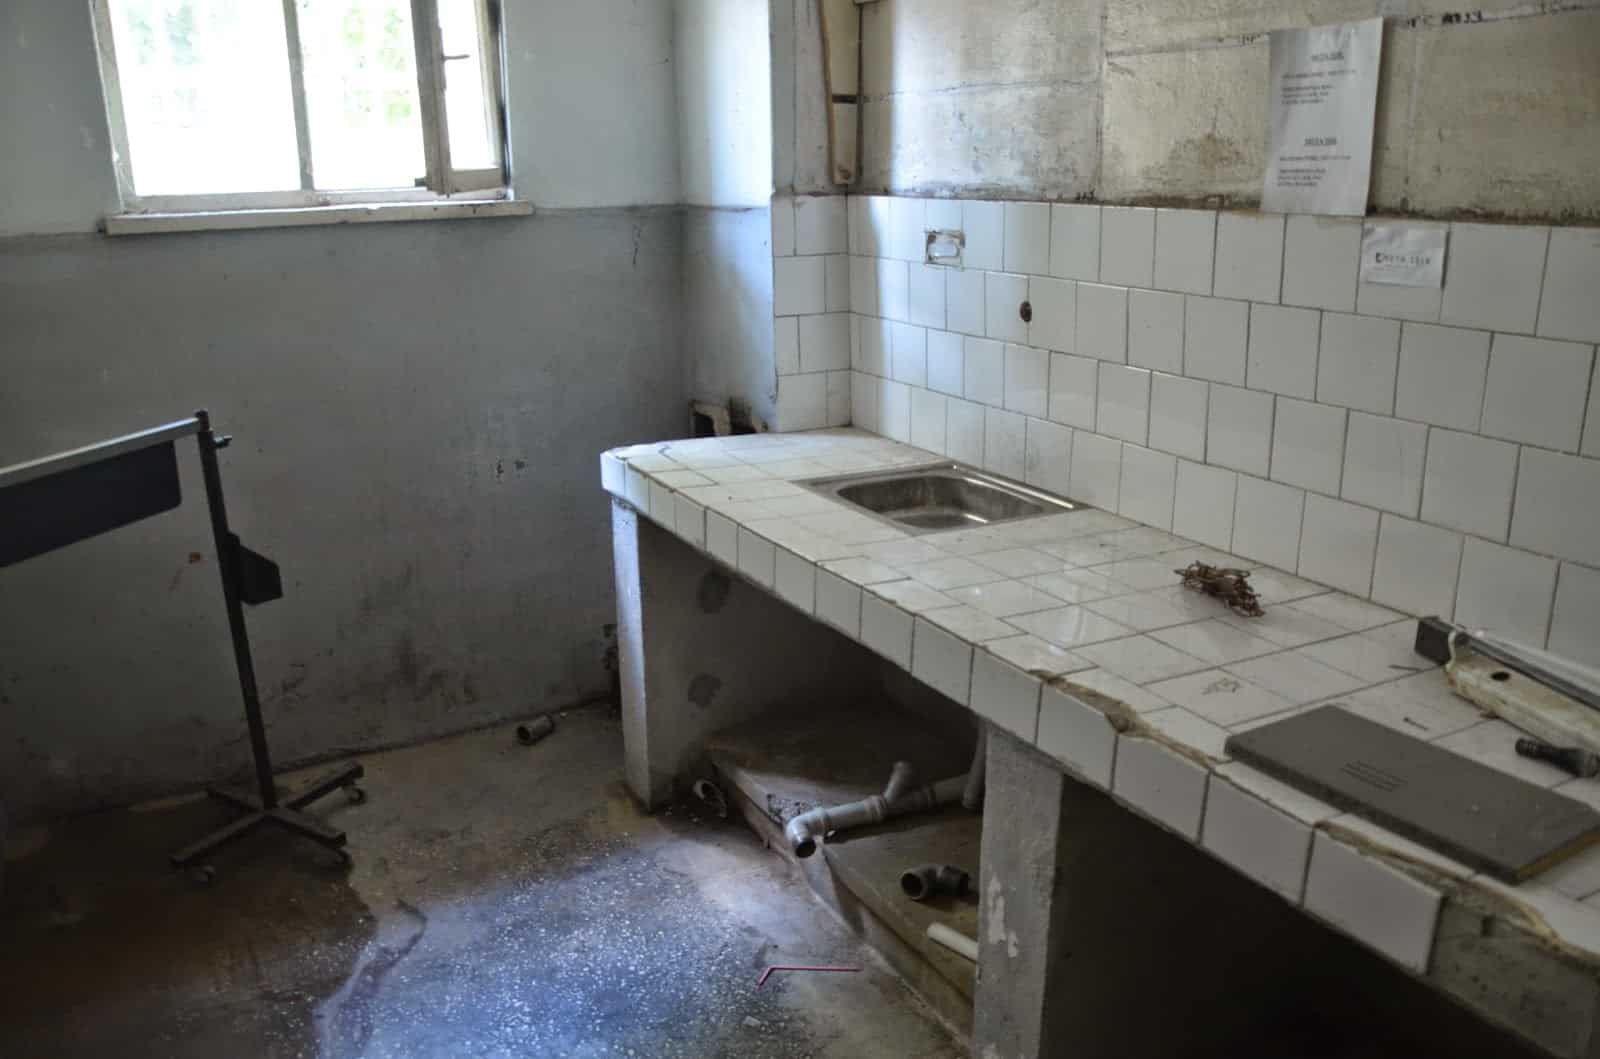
1072, 632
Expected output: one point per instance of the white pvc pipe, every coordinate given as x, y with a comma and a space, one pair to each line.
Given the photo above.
954, 940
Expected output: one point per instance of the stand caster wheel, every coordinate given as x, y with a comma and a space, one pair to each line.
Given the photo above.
355, 795
203, 875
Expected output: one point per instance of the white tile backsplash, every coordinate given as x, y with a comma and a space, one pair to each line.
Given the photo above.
1127, 245
1255, 396
1492, 279
1185, 240
797, 286
1075, 241
1577, 614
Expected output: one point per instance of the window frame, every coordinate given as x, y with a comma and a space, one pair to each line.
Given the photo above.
441, 183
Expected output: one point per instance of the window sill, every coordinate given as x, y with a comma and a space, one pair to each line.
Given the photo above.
300, 217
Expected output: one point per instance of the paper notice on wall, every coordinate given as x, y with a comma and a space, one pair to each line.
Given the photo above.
1403, 255
1324, 94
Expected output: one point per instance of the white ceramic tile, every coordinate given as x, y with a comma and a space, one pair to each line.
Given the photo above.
964, 432
928, 420
1295, 677
663, 504
690, 521
1421, 706
859, 571
1266, 521
941, 661
908, 354
786, 344
1003, 298
613, 475
1033, 655
1591, 431
1149, 482
1375, 904
1096, 470
1178, 408
943, 214
819, 225
1239, 429
946, 362
1400, 303
836, 293
927, 295
1102, 322
824, 342
863, 285
1577, 615
1215, 338
722, 538
1004, 442
1079, 586
1346, 610
951, 572
964, 301
1155, 330
1075, 241
1536, 390
1442, 372
783, 227
1493, 743
1074, 390
1214, 642
1358, 362
1139, 700
1267, 845
908, 222
1184, 243
1249, 256
886, 629
1005, 695
757, 557
1375, 655
797, 286
1028, 238
1417, 567
1070, 627
894, 289
1203, 504
1127, 245
839, 603
894, 410
1308, 444
1168, 788
1077, 735
1027, 380
1468, 483
870, 346
1005, 599
985, 370
1021, 562
874, 228
1569, 308
1337, 544
1123, 408
971, 624
1557, 509
1055, 314
984, 224
795, 580
1221, 696
1321, 259
1506, 591
864, 400
1141, 659
1283, 350
1493, 276
1047, 457
1383, 463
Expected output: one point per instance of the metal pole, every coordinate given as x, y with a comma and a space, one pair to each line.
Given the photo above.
228, 563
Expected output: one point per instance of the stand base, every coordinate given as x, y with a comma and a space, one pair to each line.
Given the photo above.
286, 816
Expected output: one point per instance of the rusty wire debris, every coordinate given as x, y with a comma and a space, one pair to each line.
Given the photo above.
1230, 585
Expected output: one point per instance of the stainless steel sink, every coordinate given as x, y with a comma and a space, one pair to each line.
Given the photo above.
943, 496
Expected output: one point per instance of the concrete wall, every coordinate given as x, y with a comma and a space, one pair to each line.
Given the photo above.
1165, 101
418, 410
727, 307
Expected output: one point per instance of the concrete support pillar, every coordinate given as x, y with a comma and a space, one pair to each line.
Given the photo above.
700, 649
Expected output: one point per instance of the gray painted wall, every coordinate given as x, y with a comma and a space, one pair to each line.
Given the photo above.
418, 409
1165, 101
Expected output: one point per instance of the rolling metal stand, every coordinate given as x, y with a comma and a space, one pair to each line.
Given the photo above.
49, 503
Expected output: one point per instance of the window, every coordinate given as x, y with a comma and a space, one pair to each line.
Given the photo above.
253, 104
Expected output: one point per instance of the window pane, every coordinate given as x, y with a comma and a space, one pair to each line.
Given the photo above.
205, 95
359, 59
473, 126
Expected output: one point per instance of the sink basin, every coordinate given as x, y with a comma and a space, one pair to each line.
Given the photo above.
944, 496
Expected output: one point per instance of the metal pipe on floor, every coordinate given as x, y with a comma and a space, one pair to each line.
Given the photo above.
954, 940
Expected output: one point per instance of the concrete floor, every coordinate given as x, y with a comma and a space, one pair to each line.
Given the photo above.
505, 901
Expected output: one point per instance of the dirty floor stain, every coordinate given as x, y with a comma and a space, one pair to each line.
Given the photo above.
505, 901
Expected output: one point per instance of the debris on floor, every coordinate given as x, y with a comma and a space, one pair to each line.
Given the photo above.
1226, 583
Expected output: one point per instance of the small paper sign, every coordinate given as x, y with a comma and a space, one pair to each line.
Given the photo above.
1403, 255
1321, 107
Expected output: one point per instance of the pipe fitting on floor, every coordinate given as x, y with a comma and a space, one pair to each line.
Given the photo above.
972, 796
935, 880
804, 830
901, 777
